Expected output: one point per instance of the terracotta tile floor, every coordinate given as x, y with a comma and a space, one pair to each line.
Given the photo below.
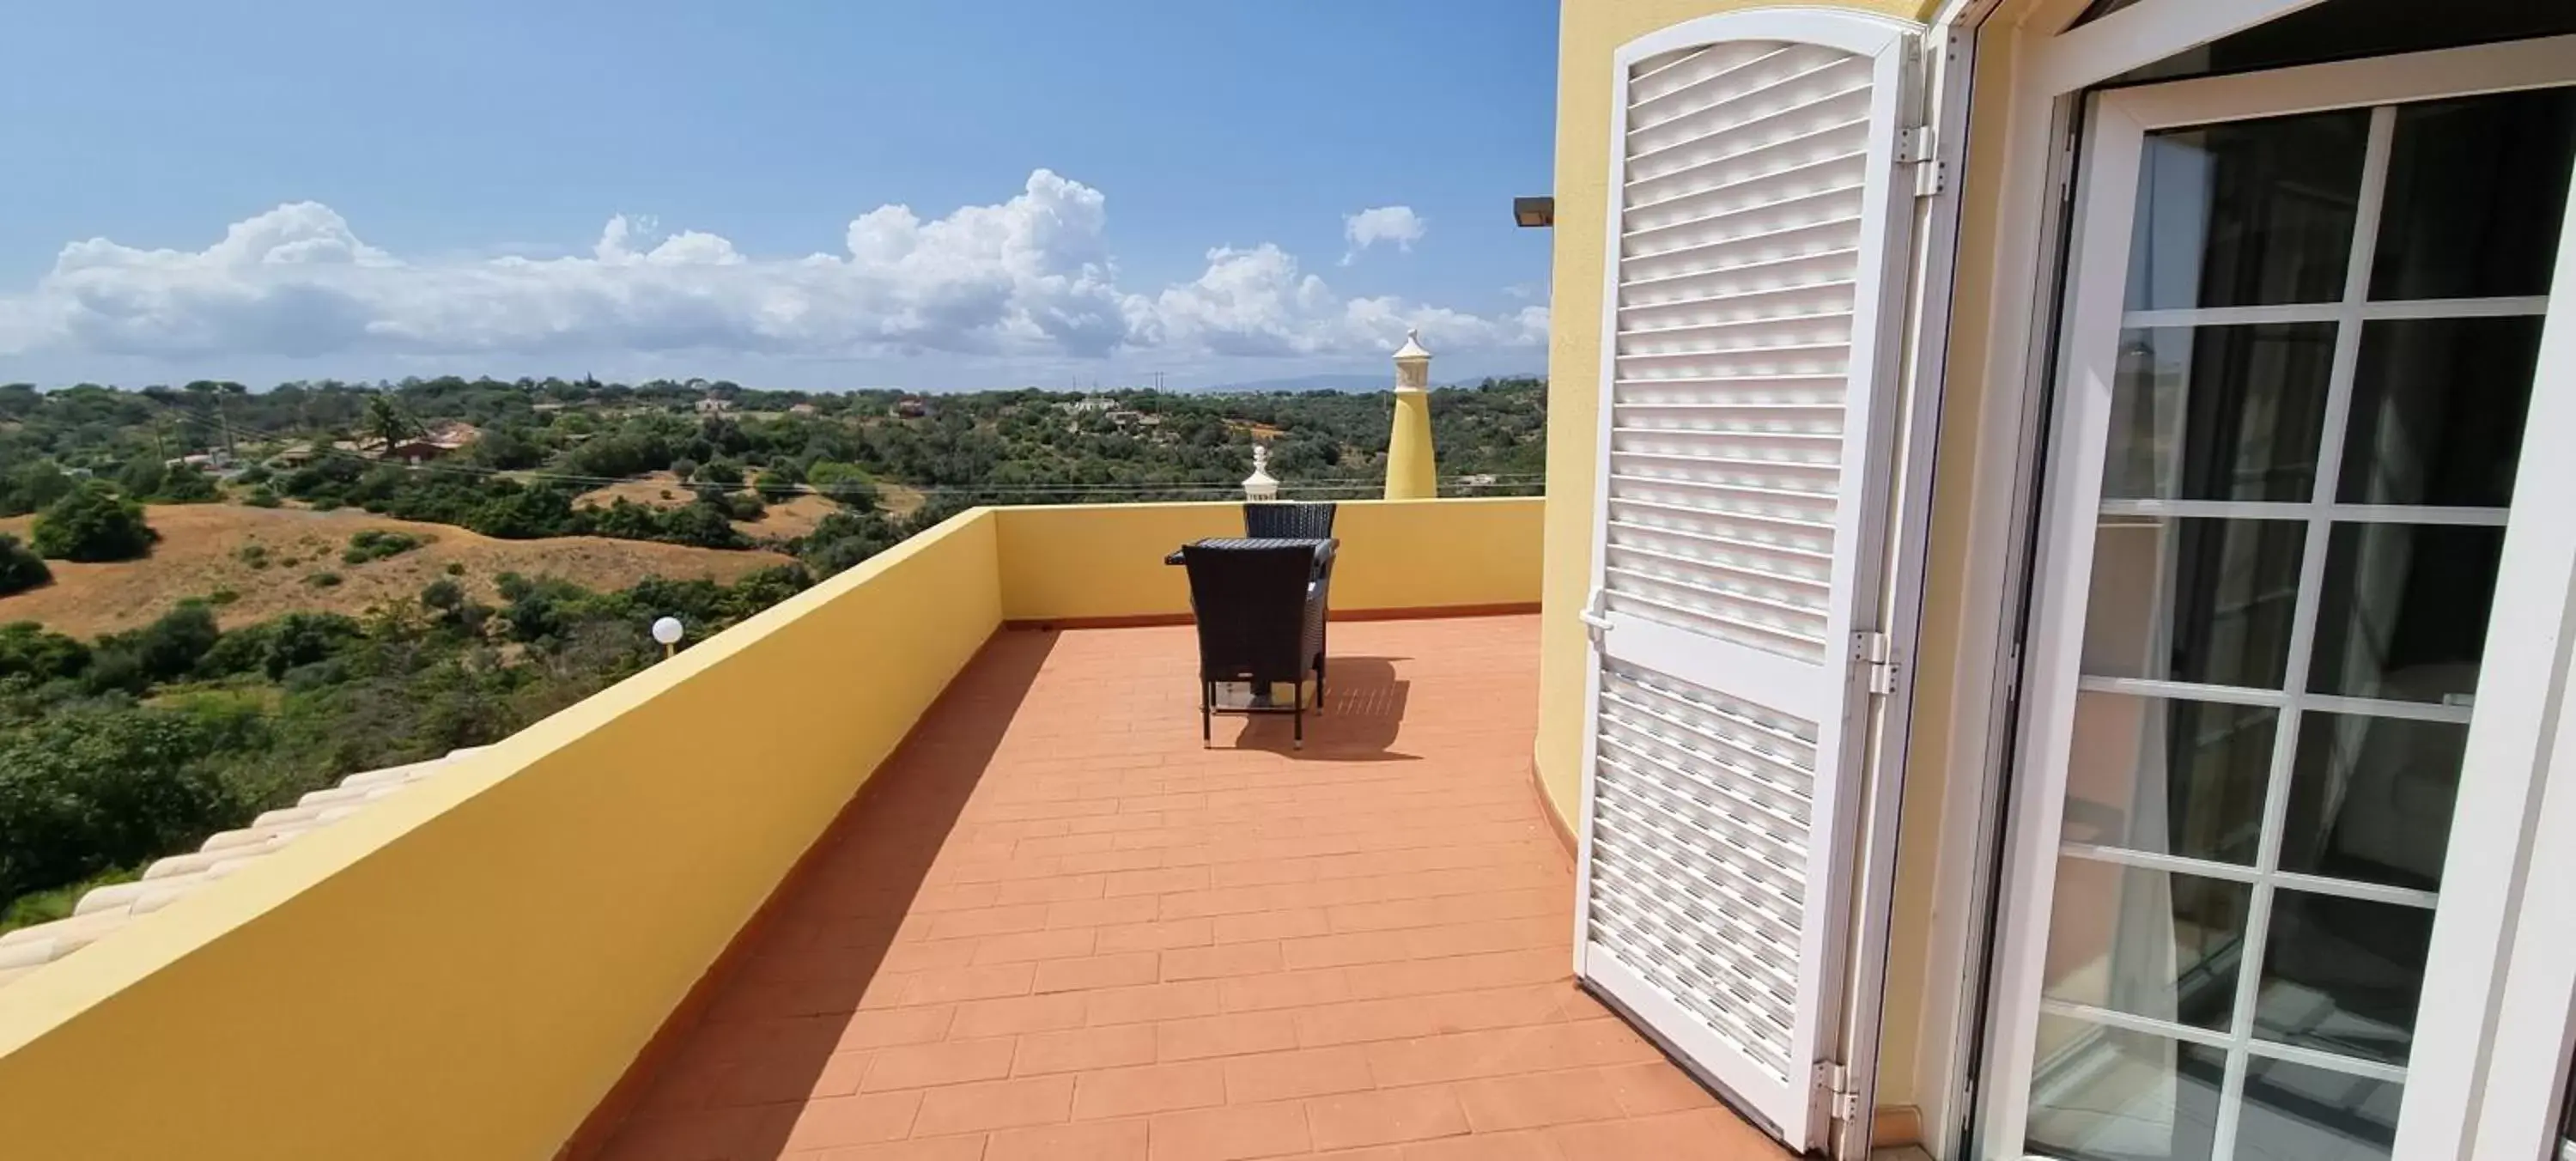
1056, 927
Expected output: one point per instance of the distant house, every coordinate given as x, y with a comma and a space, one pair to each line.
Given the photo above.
800, 409
436, 443
911, 407
714, 406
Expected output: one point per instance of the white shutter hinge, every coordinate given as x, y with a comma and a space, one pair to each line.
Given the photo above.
1842, 1100
1596, 615
1920, 147
1871, 650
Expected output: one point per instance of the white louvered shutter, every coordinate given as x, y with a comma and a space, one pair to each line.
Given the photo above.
1758, 247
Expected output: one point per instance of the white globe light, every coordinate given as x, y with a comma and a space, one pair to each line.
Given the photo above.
667, 630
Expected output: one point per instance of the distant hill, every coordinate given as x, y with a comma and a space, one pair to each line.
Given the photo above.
1380, 382
201, 553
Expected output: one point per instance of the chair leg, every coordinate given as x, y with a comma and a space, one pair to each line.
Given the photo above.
1301, 726
1207, 728
1319, 683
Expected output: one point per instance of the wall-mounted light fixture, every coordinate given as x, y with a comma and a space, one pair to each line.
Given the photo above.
1534, 212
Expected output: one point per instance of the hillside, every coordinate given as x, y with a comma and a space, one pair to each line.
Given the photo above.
200, 555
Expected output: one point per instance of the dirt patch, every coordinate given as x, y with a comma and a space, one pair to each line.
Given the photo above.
899, 501
201, 552
789, 518
653, 490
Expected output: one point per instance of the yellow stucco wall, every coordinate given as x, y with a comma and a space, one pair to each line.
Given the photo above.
463, 970
1105, 560
1589, 32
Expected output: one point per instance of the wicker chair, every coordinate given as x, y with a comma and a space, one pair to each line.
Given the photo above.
1260, 613
1288, 520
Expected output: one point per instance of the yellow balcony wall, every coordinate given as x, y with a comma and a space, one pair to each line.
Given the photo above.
1104, 561
464, 969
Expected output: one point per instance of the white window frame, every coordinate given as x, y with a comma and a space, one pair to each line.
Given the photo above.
2025, 49
2093, 315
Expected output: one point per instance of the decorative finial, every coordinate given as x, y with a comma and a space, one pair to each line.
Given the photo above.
1259, 486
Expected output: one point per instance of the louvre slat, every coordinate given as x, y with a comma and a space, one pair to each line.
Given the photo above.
1836, 163
1794, 299
1781, 81
1755, 164
1748, 108
1774, 127
1708, 80
1797, 242
1636, 493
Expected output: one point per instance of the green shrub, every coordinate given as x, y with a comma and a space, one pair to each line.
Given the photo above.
221, 597
322, 580
455, 568
20, 569
29, 650
377, 544
262, 498
92, 523
254, 555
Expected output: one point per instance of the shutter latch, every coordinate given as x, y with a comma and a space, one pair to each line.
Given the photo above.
1596, 616
1870, 649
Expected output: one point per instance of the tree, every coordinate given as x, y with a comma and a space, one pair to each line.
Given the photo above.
20, 569
387, 421
30, 488
92, 523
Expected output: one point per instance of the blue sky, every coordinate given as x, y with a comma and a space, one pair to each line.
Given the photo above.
1107, 188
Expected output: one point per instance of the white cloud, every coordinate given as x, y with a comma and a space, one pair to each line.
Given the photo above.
1029, 276
1397, 224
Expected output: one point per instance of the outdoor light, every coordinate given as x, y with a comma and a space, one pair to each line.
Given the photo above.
1538, 212
667, 630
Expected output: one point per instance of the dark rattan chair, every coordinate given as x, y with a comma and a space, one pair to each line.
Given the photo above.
1260, 612
1288, 521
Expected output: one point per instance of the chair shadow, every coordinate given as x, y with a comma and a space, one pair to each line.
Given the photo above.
1363, 713
775, 1009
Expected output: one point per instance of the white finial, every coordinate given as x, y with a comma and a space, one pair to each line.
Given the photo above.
1259, 486
1412, 363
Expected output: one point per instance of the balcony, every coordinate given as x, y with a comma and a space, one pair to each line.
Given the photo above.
927, 862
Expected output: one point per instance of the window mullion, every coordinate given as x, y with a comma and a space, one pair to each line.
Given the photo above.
2303, 619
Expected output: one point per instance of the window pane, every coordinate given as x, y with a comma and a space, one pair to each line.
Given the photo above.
2193, 599
2404, 611
2298, 1111
2169, 777
2101, 1094
2150, 943
2371, 799
2437, 410
2342, 975
2247, 213
2218, 413
2476, 188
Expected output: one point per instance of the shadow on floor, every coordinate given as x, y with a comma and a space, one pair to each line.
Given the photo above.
785, 998
1363, 712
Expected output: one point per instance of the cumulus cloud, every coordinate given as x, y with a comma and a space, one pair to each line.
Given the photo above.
1030, 275
1397, 224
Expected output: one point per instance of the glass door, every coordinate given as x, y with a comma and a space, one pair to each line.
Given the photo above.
2299, 349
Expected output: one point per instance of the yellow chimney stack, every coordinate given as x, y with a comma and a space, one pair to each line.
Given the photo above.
1410, 473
